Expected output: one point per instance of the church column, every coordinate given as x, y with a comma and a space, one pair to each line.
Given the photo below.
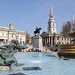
51, 40
43, 40
55, 40
47, 40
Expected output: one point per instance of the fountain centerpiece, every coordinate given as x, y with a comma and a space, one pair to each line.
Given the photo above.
68, 50
7, 58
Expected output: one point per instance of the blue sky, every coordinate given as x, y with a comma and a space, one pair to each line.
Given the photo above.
29, 14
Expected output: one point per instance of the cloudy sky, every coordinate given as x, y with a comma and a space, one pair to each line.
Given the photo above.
29, 14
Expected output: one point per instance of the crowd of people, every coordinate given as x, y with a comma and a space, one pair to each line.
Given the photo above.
34, 50
31, 50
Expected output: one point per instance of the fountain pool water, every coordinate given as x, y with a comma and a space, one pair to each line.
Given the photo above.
41, 64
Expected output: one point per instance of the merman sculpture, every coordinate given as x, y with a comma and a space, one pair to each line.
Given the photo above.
7, 54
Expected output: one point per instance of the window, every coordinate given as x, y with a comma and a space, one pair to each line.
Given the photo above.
16, 38
49, 29
67, 39
12, 35
62, 42
62, 38
59, 42
23, 42
67, 42
20, 42
58, 38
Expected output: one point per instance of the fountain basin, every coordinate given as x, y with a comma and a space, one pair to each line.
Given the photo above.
66, 51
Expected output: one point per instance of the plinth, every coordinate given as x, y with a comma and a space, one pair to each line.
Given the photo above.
37, 42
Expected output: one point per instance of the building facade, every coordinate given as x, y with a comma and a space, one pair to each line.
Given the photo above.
8, 34
52, 37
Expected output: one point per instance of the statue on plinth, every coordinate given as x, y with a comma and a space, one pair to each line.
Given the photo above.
37, 31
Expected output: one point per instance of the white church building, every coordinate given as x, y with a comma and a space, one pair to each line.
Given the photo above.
52, 37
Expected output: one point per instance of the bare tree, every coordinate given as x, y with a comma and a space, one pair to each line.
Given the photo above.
73, 25
27, 37
66, 28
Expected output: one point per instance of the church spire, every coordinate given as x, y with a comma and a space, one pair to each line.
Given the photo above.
51, 23
51, 13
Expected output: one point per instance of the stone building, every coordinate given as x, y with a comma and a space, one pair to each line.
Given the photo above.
8, 34
52, 37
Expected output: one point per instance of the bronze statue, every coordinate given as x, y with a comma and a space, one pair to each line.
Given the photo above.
7, 54
37, 31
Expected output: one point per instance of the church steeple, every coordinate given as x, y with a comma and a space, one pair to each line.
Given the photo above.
51, 13
51, 22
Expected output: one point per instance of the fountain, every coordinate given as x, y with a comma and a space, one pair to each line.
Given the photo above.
68, 50
7, 58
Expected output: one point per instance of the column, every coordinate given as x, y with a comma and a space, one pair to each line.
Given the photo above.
55, 40
51, 40
42, 40
47, 40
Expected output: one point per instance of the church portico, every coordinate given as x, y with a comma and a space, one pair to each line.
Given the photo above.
47, 39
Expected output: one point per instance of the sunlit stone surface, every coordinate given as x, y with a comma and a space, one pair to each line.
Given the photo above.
4, 68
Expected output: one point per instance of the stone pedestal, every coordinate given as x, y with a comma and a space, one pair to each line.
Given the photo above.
37, 42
